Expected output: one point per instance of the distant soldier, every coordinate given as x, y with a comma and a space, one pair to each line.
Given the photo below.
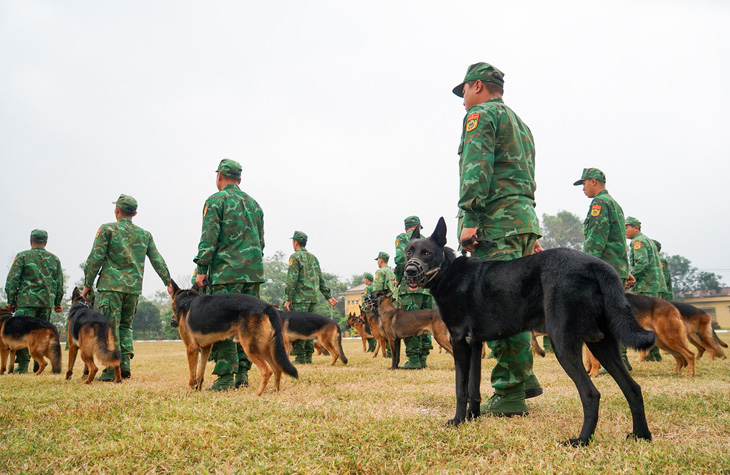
117, 257
34, 286
669, 294
384, 276
368, 279
230, 257
304, 283
646, 269
417, 347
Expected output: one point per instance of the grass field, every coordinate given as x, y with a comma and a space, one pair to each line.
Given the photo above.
357, 418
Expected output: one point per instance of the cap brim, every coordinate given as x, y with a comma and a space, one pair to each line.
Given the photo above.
459, 90
579, 182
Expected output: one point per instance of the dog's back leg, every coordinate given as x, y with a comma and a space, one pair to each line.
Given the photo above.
37, 347
72, 351
202, 361
475, 381
606, 351
395, 353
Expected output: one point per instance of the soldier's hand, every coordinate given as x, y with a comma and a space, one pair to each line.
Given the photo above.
199, 279
286, 305
85, 292
466, 235
630, 281
58, 309
538, 248
332, 301
169, 290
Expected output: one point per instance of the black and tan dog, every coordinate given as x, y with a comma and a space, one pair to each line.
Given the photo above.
362, 329
90, 334
308, 326
39, 336
398, 324
574, 297
371, 318
699, 330
206, 319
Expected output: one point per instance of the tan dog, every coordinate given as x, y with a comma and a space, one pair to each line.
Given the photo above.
699, 330
39, 336
398, 324
353, 321
308, 326
372, 318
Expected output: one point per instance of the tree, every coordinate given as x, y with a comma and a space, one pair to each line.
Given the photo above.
686, 278
147, 323
275, 268
565, 229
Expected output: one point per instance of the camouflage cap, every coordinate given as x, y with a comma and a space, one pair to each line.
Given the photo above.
299, 236
485, 72
230, 168
631, 221
589, 173
657, 244
411, 221
39, 235
368, 276
384, 256
126, 203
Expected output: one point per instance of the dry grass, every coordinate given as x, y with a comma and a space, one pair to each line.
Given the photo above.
357, 418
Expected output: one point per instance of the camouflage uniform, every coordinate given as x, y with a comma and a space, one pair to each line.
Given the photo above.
669, 294
417, 347
497, 196
34, 285
230, 253
646, 268
372, 342
117, 257
385, 280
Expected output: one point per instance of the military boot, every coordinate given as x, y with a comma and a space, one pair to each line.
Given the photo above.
412, 363
507, 404
224, 382
654, 355
300, 359
125, 368
308, 358
532, 387
21, 367
242, 379
107, 375
422, 360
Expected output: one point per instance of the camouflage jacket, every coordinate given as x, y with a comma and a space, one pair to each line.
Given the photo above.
35, 279
384, 280
669, 294
401, 242
368, 290
497, 172
645, 267
117, 257
231, 245
605, 233
304, 279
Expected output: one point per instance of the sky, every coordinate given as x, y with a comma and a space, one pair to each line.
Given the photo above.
343, 119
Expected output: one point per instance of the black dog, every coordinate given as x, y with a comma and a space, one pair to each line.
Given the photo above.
575, 297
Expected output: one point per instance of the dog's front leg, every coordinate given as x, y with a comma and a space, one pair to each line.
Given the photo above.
462, 356
395, 353
475, 379
202, 361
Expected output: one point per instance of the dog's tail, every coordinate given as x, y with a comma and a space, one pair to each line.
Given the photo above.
105, 345
339, 346
282, 359
717, 339
55, 355
622, 323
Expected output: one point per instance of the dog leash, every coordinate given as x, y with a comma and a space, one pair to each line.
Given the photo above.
475, 240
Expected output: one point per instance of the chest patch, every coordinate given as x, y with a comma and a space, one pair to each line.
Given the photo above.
472, 122
637, 246
595, 210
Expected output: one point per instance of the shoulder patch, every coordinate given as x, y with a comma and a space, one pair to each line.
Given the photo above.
396, 242
205, 210
98, 231
595, 210
472, 121
637, 245
291, 261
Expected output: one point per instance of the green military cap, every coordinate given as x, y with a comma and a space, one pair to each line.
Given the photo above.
383, 255
230, 168
411, 221
126, 203
299, 236
631, 221
657, 244
368, 276
485, 72
589, 173
39, 235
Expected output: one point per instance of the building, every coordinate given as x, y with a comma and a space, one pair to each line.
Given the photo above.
717, 304
353, 299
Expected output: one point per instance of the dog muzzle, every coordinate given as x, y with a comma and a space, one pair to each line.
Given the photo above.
418, 274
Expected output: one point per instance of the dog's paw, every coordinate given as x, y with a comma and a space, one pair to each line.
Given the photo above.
68, 375
576, 442
634, 436
454, 422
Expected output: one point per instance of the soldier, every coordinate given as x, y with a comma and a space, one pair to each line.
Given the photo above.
368, 279
497, 201
669, 294
34, 286
230, 257
384, 280
303, 283
646, 271
604, 229
117, 257
417, 347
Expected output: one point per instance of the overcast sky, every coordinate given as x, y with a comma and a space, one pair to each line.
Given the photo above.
339, 109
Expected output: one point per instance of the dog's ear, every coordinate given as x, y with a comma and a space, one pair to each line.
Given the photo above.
416, 233
175, 288
439, 234
75, 294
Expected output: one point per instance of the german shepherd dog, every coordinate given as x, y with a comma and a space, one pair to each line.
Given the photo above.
89, 332
362, 329
39, 336
371, 318
206, 319
307, 326
665, 320
398, 324
572, 296
700, 331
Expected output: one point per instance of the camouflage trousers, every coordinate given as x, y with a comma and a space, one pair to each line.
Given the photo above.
372, 343
228, 355
302, 349
513, 354
44, 313
416, 346
119, 308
